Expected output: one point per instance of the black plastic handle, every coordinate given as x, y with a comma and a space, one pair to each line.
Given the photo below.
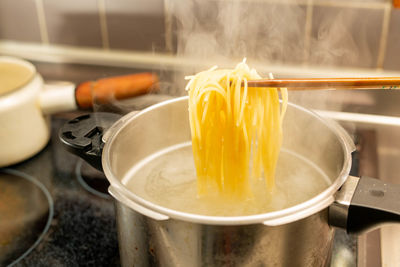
364, 203
82, 136
374, 202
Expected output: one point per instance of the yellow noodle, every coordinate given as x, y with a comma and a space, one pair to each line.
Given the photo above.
236, 131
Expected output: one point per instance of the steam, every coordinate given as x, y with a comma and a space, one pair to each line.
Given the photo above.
158, 93
272, 34
227, 31
335, 41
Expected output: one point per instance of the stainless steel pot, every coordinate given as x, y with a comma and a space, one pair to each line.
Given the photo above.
152, 235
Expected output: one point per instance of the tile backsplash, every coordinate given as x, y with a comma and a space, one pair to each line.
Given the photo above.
135, 24
392, 60
352, 33
73, 22
19, 21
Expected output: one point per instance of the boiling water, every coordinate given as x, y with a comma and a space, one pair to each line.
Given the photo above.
168, 178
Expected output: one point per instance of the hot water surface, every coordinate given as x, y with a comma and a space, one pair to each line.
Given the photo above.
168, 178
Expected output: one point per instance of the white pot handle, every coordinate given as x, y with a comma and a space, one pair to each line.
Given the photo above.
57, 97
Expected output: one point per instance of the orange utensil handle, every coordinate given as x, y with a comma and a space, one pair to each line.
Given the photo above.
119, 87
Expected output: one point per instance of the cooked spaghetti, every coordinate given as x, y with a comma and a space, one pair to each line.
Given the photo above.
236, 131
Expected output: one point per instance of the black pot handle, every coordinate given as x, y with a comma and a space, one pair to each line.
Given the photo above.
83, 136
364, 203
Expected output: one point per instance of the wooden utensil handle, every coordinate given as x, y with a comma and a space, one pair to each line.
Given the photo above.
119, 87
329, 83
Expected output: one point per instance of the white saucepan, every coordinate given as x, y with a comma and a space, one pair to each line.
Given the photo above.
26, 101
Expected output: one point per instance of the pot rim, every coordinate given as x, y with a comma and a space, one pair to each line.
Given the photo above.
21, 62
26, 93
287, 215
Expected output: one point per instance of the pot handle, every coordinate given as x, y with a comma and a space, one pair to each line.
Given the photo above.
64, 96
117, 87
83, 136
364, 203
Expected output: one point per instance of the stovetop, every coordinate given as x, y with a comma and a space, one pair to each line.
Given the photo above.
77, 226
81, 228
